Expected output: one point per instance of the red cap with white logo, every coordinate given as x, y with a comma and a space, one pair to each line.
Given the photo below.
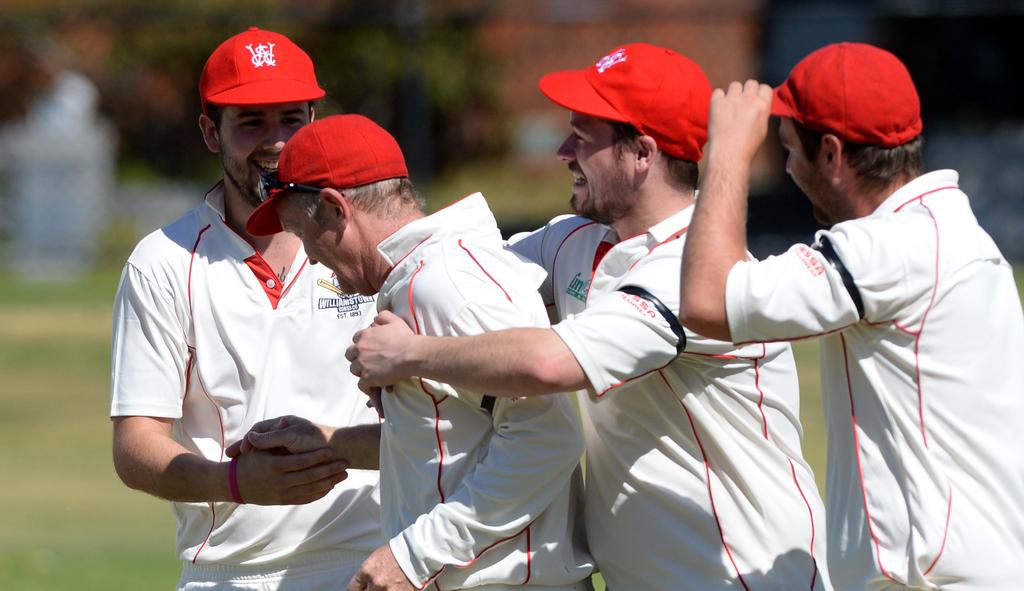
258, 67
656, 90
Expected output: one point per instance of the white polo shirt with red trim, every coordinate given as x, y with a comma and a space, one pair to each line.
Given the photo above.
922, 370
476, 492
695, 475
203, 333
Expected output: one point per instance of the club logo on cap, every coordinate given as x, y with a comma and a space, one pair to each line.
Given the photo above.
616, 57
262, 55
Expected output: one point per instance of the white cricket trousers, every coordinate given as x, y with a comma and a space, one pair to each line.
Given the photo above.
318, 571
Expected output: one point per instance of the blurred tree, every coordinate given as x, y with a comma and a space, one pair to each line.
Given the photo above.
428, 81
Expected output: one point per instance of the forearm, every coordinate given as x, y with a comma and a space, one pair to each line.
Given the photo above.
147, 458
359, 446
512, 363
717, 237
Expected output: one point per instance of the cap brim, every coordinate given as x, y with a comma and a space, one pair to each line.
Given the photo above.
264, 221
780, 108
268, 92
570, 89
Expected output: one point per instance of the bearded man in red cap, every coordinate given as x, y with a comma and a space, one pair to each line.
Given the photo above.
920, 321
695, 476
216, 329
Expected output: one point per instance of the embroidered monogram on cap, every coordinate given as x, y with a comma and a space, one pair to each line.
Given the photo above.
616, 57
262, 55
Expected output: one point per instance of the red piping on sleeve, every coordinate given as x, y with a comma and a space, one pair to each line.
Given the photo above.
526, 530
495, 281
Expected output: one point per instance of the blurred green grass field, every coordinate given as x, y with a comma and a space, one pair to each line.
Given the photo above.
67, 521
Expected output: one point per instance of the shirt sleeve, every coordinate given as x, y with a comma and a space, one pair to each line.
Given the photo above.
149, 355
634, 330
534, 449
854, 271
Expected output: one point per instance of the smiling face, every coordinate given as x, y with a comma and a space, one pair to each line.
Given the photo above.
249, 140
601, 183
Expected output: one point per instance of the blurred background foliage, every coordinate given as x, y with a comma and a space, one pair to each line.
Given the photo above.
455, 81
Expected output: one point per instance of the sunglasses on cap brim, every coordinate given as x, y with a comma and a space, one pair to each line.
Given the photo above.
271, 184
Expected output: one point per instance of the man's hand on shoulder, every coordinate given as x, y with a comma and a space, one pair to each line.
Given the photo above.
379, 355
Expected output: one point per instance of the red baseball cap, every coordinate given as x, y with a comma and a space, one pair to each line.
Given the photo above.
658, 91
859, 92
339, 152
258, 67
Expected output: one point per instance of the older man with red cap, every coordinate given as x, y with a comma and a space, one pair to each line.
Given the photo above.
920, 322
216, 329
695, 476
476, 492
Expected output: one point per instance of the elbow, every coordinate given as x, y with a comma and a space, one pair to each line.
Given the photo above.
709, 321
550, 374
124, 471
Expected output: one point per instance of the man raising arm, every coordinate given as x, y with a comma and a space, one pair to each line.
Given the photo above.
919, 400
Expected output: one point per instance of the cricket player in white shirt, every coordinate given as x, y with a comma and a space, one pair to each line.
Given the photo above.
920, 323
216, 329
476, 492
695, 476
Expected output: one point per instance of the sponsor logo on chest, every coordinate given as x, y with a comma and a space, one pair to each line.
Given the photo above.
578, 288
347, 305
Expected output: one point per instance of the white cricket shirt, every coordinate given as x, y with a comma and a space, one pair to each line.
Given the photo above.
204, 334
922, 348
475, 493
695, 476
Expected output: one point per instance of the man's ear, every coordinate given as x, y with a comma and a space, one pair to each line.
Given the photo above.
312, 112
337, 210
646, 152
211, 135
831, 155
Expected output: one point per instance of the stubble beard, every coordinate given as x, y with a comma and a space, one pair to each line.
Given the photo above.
605, 206
252, 193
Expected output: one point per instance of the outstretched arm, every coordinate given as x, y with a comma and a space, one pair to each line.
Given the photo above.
513, 362
717, 239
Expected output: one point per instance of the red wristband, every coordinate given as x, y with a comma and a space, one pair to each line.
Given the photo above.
233, 481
